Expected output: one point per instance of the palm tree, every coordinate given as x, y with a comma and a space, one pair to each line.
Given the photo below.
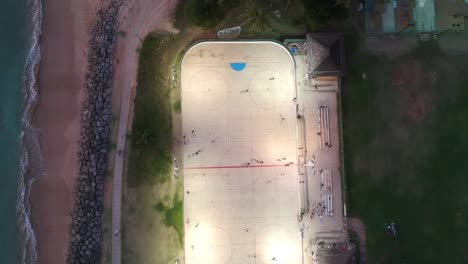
256, 18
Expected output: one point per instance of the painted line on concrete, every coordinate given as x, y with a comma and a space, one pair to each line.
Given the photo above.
239, 167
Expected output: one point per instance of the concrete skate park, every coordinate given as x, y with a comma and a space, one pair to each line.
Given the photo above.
261, 152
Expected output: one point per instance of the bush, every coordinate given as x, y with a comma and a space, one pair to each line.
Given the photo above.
160, 207
174, 217
319, 12
177, 106
208, 13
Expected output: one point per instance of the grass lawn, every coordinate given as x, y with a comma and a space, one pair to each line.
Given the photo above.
151, 136
152, 206
405, 141
173, 213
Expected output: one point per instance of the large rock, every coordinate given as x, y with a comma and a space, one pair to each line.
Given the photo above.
85, 230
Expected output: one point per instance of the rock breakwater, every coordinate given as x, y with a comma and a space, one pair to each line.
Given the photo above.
85, 230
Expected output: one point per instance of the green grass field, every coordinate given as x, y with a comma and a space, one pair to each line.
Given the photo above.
152, 207
173, 213
151, 136
405, 141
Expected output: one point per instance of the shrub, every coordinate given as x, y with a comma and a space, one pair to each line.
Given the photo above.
208, 13
319, 12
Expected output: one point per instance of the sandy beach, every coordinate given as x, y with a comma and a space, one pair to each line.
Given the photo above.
64, 46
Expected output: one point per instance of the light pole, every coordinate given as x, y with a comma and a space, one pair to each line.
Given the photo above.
401, 30
436, 36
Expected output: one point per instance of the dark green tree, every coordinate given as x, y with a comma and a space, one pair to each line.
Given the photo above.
256, 19
319, 12
208, 13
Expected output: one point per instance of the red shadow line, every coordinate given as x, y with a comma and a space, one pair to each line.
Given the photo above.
239, 167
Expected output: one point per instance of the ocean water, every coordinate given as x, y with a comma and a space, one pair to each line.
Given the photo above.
20, 159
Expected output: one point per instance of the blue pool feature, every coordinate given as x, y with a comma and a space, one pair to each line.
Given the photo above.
238, 66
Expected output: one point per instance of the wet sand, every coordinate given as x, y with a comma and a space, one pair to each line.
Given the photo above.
64, 45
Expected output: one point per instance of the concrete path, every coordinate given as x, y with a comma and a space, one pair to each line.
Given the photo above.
117, 178
357, 226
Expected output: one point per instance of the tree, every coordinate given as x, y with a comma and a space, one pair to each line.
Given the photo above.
319, 12
255, 18
208, 13
204, 13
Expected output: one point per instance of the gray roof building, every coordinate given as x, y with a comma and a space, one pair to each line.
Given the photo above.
325, 54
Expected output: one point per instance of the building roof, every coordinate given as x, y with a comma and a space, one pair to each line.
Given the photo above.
325, 54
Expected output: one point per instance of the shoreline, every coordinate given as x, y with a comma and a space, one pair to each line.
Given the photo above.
64, 45
30, 153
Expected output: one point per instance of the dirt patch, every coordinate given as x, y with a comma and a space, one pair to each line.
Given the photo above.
416, 114
413, 83
146, 238
357, 227
445, 73
454, 42
360, 164
379, 162
383, 45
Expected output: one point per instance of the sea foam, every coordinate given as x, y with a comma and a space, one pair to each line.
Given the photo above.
31, 156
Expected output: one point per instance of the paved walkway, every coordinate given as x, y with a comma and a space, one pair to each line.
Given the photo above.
117, 178
128, 67
357, 226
